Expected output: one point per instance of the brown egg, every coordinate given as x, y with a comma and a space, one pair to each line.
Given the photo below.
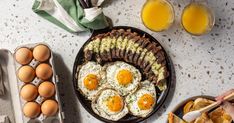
44, 71
41, 53
46, 89
26, 74
23, 56
31, 109
29, 92
49, 107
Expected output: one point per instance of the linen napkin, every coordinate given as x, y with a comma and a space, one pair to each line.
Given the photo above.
72, 15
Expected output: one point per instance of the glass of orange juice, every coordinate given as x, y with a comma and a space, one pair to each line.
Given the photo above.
157, 15
197, 19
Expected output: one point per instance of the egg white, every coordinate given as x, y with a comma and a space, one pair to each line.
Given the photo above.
112, 71
132, 99
99, 105
91, 68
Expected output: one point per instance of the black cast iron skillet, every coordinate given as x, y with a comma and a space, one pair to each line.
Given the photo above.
161, 96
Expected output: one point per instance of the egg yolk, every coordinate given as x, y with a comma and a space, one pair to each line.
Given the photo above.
91, 82
124, 77
115, 103
145, 102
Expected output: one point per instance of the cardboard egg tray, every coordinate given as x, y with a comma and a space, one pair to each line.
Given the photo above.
15, 86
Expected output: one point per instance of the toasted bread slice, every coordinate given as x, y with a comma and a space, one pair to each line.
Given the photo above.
140, 52
133, 51
131, 48
114, 37
139, 49
104, 50
150, 57
91, 50
146, 49
127, 35
133, 37
160, 70
162, 75
172, 118
147, 57
119, 42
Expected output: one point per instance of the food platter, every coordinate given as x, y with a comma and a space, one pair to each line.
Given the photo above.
179, 109
161, 96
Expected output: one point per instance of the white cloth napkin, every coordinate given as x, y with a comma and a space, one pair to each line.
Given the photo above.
69, 14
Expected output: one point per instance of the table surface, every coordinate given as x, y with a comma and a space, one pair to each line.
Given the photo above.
203, 65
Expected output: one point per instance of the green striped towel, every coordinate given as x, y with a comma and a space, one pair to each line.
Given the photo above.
70, 15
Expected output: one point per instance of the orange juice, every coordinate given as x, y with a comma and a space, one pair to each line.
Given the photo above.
197, 19
157, 15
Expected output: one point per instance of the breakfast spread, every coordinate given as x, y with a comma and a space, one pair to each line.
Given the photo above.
122, 73
218, 115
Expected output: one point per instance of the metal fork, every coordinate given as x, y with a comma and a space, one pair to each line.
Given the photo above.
2, 90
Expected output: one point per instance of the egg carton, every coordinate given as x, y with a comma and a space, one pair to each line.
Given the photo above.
16, 85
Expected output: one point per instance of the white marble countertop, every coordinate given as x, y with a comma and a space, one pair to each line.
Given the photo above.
203, 65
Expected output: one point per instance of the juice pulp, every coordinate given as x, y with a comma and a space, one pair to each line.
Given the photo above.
196, 19
157, 15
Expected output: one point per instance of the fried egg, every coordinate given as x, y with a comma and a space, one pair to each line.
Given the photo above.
91, 79
142, 102
110, 105
123, 77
